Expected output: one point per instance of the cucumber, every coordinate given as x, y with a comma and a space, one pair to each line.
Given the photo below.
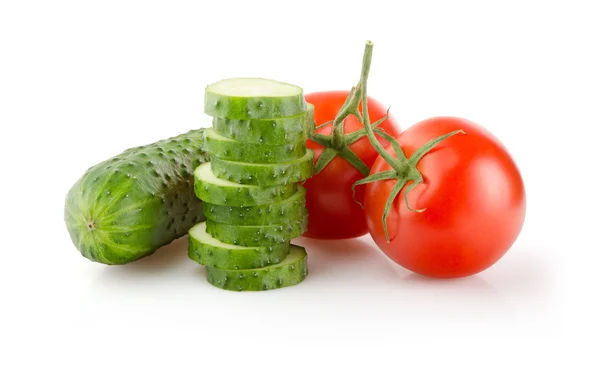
263, 175
253, 98
213, 190
128, 206
257, 235
228, 149
267, 214
209, 251
272, 132
289, 272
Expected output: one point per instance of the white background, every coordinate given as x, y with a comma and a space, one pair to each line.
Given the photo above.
80, 81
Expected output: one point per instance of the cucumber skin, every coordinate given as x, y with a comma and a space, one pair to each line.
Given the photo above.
258, 236
244, 258
234, 107
267, 214
272, 132
251, 196
232, 150
264, 175
138, 201
273, 277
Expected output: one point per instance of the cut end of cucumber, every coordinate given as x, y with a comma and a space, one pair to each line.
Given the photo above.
211, 189
204, 171
253, 98
253, 87
199, 233
209, 251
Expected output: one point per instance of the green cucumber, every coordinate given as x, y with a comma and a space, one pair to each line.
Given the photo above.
209, 251
267, 214
128, 206
253, 98
289, 272
272, 132
264, 175
232, 150
211, 189
258, 235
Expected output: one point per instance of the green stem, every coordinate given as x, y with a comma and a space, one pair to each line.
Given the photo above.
338, 122
388, 204
337, 136
364, 75
404, 170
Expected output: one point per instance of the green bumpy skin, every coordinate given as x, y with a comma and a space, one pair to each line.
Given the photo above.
209, 251
268, 214
225, 99
271, 132
232, 150
289, 272
127, 207
211, 189
265, 175
257, 235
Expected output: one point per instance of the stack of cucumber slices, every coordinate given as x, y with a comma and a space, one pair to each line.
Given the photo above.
252, 191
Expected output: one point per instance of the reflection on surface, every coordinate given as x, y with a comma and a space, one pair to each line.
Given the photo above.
351, 283
169, 264
326, 257
165, 258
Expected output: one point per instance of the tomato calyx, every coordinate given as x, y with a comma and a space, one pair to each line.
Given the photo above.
404, 170
337, 144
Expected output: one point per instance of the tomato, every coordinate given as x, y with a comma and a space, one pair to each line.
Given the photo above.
333, 213
473, 195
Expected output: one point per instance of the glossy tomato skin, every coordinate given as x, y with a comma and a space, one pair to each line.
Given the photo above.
474, 198
333, 214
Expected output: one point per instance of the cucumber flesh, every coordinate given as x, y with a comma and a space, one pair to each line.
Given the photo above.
268, 214
253, 98
128, 206
264, 175
209, 251
212, 189
257, 235
271, 132
228, 149
289, 272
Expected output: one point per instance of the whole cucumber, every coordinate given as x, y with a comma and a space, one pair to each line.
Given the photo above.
128, 206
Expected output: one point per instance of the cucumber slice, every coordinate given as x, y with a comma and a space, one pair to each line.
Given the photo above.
257, 235
209, 251
130, 205
228, 149
264, 175
272, 132
253, 98
289, 272
268, 214
211, 189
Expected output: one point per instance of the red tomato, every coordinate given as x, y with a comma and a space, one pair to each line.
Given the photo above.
473, 196
333, 214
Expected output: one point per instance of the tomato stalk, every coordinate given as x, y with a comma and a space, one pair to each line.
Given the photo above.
404, 170
337, 144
